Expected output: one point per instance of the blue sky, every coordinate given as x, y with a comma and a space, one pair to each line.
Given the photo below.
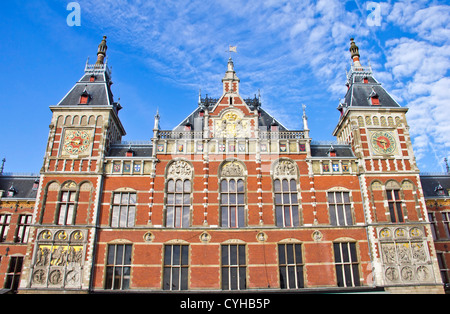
163, 52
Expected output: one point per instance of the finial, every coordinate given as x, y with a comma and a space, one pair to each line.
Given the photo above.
305, 119
101, 54
354, 53
447, 167
353, 48
230, 65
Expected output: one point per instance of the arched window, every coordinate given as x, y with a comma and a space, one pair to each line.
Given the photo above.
232, 195
285, 176
178, 194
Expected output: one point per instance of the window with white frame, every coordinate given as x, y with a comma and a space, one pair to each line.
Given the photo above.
234, 267
285, 189
123, 210
446, 221
66, 213
232, 195
286, 203
23, 228
340, 208
347, 266
290, 266
5, 221
178, 202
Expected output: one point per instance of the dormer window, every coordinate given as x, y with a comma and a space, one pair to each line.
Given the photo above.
130, 153
85, 97
439, 190
332, 152
366, 80
12, 191
36, 185
375, 100
92, 78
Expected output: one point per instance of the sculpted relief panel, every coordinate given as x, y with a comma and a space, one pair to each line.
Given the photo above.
231, 125
59, 259
405, 255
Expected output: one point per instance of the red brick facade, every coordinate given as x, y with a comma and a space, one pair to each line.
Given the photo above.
229, 200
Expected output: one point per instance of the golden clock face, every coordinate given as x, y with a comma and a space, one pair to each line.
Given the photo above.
76, 142
383, 142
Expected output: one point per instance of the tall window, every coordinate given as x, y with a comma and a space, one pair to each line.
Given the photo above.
123, 210
234, 269
291, 266
118, 267
286, 203
13, 274
5, 221
178, 203
433, 225
23, 228
395, 205
443, 268
340, 208
176, 267
346, 262
446, 221
66, 215
232, 203
178, 194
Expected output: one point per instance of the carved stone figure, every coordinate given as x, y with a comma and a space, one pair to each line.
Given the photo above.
285, 168
180, 169
232, 169
389, 253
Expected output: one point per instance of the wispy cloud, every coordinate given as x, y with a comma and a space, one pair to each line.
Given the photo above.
294, 51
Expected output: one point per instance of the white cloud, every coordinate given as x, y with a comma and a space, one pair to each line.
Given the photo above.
296, 52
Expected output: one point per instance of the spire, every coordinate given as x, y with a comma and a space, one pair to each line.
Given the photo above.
447, 167
101, 54
230, 81
355, 53
3, 166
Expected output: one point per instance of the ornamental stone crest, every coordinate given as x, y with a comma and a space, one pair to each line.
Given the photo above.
180, 169
232, 126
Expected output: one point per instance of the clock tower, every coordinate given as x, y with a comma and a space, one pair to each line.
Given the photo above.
375, 126
84, 125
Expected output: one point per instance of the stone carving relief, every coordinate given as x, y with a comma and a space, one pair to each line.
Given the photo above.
59, 259
180, 169
285, 168
405, 255
232, 169
232, 126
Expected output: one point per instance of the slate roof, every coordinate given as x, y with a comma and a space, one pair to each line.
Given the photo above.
358, 95
139, 150
23, 185
430, 183
322, 150
99, 91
